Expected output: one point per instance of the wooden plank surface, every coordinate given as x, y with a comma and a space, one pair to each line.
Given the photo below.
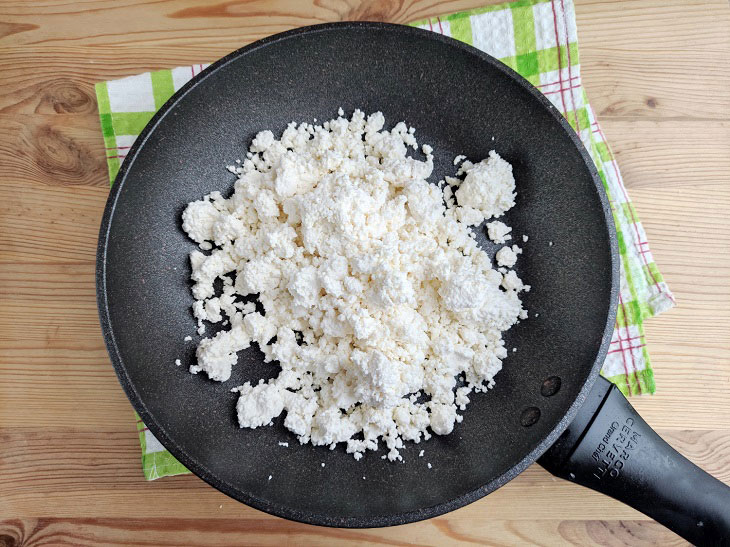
657, 75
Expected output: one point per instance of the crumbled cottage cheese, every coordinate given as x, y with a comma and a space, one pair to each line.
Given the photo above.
498, 231
376, 301
507, 256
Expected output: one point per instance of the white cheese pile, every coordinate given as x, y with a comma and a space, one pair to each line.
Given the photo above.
376, 296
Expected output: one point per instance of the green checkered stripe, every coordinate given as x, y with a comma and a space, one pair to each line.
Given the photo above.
538, 39
157, 462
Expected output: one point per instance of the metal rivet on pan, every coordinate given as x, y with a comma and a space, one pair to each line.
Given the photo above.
530, 416
550, 386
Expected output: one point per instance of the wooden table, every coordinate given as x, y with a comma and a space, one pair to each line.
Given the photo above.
657, 74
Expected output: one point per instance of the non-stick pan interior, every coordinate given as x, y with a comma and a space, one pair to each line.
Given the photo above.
461, 102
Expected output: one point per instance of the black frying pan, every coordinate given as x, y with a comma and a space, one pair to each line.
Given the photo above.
461, 101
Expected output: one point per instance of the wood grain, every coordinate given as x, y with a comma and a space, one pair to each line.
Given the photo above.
221, 532
657, 75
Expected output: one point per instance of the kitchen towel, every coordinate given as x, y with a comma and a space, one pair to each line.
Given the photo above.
538, 39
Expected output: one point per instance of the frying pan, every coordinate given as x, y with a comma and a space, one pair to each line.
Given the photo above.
548, 400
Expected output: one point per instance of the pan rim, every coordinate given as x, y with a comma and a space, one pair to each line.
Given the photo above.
280, 509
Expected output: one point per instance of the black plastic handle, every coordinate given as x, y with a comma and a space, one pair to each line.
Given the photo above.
609, 448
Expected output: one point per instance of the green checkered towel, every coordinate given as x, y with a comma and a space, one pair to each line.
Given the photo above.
538, 39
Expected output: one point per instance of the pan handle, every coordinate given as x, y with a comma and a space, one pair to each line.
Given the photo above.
610, 449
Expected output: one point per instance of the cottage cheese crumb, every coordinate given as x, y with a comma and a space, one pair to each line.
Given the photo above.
188, 338
498, 231
178, 362
371, 287
488, 188
507, 256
